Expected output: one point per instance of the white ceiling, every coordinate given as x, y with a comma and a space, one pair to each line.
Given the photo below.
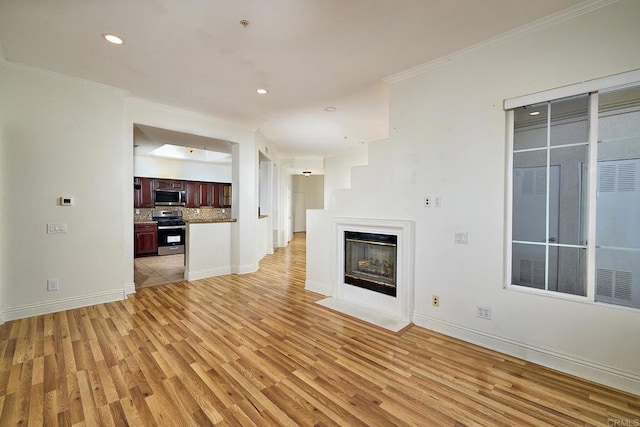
310, 54
149, 140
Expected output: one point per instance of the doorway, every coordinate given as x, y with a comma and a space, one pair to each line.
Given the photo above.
299, 213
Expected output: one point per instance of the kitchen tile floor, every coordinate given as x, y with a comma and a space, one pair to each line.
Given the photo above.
158, 270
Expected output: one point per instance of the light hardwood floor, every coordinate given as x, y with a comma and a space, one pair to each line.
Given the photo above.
255, 350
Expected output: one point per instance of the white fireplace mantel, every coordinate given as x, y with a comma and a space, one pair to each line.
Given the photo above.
393, 313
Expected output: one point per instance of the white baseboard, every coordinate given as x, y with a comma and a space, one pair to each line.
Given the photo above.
129, 288
603, 374
209, 272
244, 269
29, 310
317, 287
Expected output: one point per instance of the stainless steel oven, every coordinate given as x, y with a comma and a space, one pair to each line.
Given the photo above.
171, 231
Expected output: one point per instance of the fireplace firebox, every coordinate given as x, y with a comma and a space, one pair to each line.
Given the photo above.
370, 261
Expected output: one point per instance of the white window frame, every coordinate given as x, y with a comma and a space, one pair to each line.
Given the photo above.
591, 87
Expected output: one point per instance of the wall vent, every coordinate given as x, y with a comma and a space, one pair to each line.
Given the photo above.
623, 285
627, 177
604, 282
617, 177
608, 178
616, 284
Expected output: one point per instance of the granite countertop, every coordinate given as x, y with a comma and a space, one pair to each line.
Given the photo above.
145, 222
209, 221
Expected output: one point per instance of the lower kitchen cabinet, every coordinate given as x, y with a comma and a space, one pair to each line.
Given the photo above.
146, 239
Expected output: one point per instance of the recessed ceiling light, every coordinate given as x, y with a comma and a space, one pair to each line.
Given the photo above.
111, 38
534, 113
262, 91
330, 109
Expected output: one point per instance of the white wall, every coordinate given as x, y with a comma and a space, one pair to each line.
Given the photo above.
313, 189
448, 139
153, 167
338, 172
60, 137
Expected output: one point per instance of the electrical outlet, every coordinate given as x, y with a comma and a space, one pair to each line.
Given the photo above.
462, 237
437, 201
483, 312
435, 301
427, 201
52, 285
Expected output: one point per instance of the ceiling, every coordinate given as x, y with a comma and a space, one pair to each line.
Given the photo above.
309, 54
156, 142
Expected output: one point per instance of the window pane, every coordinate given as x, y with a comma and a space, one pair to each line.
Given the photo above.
569, 120
568, 195
619, 117
567, 270
530, 131
529, 196
528, 265
618, 203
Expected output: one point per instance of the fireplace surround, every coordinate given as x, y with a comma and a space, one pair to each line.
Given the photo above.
374, 261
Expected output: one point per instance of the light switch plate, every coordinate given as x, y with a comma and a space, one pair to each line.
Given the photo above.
56, 228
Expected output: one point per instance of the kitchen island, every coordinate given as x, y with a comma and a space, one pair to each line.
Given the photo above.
208, 248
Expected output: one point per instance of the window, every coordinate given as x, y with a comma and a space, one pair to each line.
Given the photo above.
574, 205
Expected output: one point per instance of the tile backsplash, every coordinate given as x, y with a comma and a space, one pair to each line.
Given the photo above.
187, 213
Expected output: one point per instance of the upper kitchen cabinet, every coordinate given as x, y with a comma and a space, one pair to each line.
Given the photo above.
225, 199
170, 184
193, 194
143, 192
206, 193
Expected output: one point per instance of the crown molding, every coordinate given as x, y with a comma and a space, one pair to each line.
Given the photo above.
531, 28
18, 66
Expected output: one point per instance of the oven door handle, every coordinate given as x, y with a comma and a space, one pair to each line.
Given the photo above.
174, 227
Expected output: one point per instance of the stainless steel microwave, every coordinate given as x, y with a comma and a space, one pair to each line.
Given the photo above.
170, 197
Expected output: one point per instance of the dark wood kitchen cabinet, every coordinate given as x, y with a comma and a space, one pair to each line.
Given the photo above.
206, 193
215, 194
170, 184
146, 239
143, 192
225, 196
193, 193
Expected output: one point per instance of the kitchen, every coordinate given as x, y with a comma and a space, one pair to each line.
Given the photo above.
179, 180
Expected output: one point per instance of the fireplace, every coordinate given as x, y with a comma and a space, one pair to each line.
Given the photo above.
374, 261
370, 261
